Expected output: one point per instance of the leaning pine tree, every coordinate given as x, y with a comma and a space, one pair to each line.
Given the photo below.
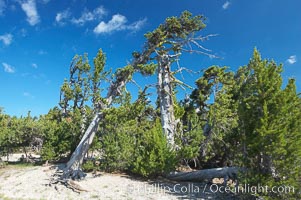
164, 47
122, 76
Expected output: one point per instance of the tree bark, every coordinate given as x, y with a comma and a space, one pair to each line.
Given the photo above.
206, 174
1, 163
73, 168
165, 91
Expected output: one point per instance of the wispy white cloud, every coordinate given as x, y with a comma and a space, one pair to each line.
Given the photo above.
26, 74
292, 59
117, 23
226, 5
47, 82
137, 25
42, 52
88, 16
6, 39
62, 16
34, 65
8, 68
39, 76
27, 94
23, 32
2, 7
30, 9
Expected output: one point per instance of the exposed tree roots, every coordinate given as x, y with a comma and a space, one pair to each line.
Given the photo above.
57, 178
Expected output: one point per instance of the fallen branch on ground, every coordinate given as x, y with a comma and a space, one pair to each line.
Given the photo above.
206, 174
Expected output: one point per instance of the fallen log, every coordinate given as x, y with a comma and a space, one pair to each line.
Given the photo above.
206, 174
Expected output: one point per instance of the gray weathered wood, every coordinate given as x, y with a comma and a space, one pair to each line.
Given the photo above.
206, 174
73, 168
166, 104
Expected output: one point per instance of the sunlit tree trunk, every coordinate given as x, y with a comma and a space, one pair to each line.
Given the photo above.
73, 168
165, 99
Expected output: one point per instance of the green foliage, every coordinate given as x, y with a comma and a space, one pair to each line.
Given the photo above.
118, 143
88, 166
251, 121
83, 84
168, 39
269, 125
118, 131
132, 140
97, 76
192, 135
51, 127
213, 98
48, 152
147, 69
126, 71
64, 128
153, 155
18, 133
76, 90
62, 134
175, 28
5, 141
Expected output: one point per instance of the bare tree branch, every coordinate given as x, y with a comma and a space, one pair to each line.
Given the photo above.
200, 52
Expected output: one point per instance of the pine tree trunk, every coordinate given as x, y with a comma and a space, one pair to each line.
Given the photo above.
267, 166
73, 168
165, 99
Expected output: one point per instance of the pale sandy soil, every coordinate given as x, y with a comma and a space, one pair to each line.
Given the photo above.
16, 157
33, 183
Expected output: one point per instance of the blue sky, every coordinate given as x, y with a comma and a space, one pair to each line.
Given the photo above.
38, 39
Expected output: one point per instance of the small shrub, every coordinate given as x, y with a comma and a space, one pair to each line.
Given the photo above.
89, 166
153, 156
